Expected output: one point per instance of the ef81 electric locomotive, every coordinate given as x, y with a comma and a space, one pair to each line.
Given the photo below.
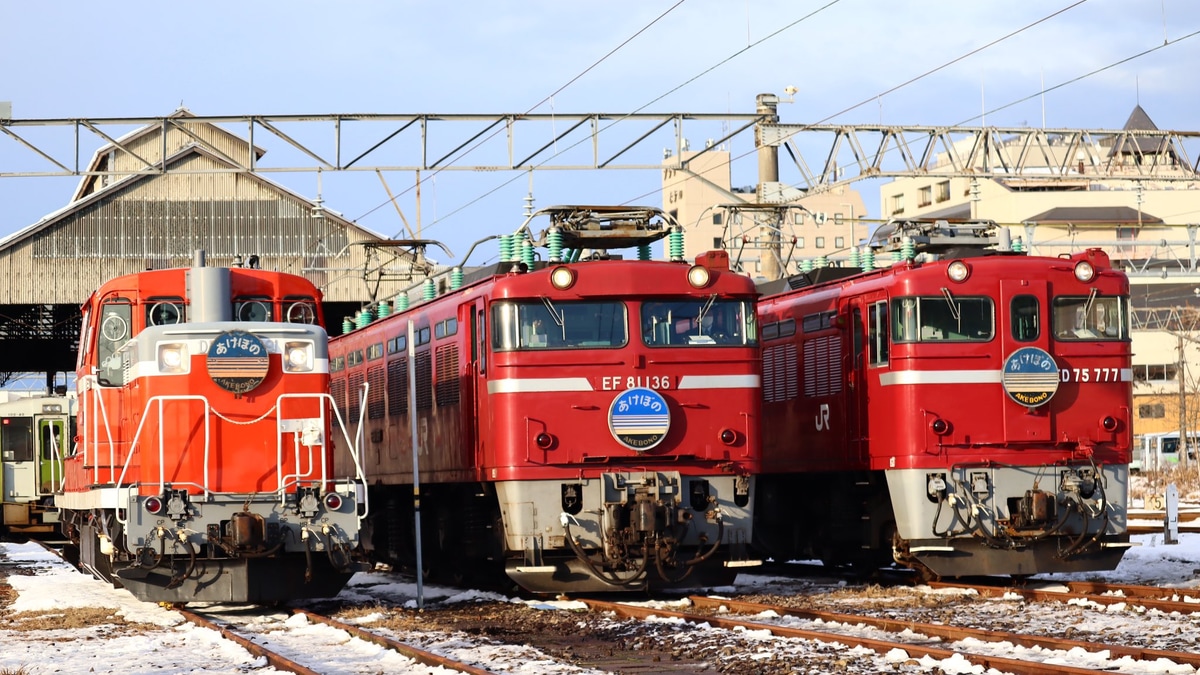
589, 423
203, 468
965, 411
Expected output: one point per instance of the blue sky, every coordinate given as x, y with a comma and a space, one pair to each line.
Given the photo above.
69, 60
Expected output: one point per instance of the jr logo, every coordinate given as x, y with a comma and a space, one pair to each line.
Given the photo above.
823, 417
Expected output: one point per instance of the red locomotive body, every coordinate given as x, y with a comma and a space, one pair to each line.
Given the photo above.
961, 415
203, 468
579, 425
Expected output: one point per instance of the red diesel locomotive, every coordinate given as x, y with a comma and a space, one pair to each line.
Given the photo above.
203, 467
966, 411
586, 424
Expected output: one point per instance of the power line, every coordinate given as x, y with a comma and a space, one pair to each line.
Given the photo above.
648, 104
585, 71
903, 84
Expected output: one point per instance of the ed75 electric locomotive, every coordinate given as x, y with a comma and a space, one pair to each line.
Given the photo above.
203, 468
965, 411
587, 423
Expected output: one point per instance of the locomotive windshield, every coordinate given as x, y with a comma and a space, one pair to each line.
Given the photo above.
943, 318
1091, 317
544, 324
702, 321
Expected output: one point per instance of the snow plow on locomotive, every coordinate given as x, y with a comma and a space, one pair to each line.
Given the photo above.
963, 411
587, 423
202, 470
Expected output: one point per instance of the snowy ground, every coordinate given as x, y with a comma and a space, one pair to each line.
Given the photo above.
146, 638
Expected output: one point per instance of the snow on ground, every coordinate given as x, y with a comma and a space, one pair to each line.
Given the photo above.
160, 641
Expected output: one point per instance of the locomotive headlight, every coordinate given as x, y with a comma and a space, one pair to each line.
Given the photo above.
1084, 271
562, 278
297, 357
173, 357
958, 271
698, 276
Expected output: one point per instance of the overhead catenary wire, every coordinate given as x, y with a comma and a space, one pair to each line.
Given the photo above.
535, 106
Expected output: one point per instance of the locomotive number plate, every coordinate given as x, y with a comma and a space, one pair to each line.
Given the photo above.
1091, 375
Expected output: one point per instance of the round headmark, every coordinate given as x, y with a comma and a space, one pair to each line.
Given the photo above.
639, 418
1030, 376
237, 361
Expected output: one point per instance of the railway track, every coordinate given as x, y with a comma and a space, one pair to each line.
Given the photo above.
255, 642
917, 640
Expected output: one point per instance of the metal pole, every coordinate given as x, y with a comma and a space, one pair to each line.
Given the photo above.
1182, 448
416, 450
768, 172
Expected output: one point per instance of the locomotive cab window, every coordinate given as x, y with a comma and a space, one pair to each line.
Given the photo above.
300, 309
255, 308
703, 321
1024, 317
877, 333
165, 311
116, 319
544, 324
1090, 317
944, 318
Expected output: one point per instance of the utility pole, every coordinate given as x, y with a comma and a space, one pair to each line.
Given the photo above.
1183, 426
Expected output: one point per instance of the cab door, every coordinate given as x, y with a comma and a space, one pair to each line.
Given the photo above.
1022, 321
19, 456
51, 450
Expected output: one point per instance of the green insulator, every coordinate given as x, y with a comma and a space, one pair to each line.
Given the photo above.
506, 253
822, 261
554, 244
456, 277
897, 256
908, 248
868, 260
855, 260
385, 309
675, 245
1018, 245
402, 302
643, 252
806, 265
347, 325
428, 290
363, 318
527, 252
575, 253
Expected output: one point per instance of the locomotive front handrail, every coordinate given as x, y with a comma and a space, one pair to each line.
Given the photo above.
283, 482
352, 447
98, 406
133, 445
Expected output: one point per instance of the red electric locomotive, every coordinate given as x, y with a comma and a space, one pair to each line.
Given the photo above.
586, 424
965, 411
203, 468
